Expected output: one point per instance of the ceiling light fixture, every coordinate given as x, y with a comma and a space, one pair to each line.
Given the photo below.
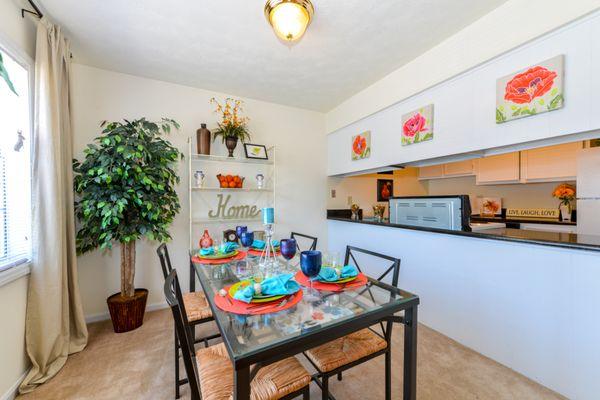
289, 18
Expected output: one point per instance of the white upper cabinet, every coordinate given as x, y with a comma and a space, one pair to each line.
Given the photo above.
501, 169
431, 172
459, 168
549, 164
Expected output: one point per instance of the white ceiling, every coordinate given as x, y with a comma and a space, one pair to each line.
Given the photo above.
228, 46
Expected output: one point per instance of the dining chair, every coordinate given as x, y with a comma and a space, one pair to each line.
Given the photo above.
210, 371
198, 312
356, 348
310, 239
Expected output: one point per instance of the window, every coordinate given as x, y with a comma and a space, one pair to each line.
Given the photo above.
15, 164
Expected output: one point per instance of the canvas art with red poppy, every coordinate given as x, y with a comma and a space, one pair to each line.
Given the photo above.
531, 91
361, 146
417, 125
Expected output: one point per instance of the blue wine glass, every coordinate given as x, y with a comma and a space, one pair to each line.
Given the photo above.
239, 230
247, 238
310, 263
288, 250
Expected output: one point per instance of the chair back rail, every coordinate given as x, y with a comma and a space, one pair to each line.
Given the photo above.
394, 269
174, 299
313, 245
165, 260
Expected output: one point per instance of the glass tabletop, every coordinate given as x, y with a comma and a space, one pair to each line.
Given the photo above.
316, 310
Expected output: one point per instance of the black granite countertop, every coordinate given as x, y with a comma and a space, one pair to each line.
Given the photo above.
543, 238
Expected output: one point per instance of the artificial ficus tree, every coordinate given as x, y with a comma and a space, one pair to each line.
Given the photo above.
126, 190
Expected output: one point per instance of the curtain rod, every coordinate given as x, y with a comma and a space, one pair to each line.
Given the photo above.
37, 11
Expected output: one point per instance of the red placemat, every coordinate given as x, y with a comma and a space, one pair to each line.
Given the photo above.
229, 304
253, 252
360, 280
239, 256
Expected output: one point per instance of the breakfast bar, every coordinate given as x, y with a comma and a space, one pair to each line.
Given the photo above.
519, 297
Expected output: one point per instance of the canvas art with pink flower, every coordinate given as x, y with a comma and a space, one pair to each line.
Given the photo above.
417, 126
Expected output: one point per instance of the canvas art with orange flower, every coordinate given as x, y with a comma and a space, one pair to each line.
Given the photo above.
361, 146
417, 126
534, 90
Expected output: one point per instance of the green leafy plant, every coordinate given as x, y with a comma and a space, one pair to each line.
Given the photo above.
4, 75
126, 189
232, 124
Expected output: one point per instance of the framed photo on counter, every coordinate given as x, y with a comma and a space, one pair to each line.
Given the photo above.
256, 151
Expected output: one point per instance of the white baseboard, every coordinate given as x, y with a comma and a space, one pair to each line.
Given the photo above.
106, 315
12, 392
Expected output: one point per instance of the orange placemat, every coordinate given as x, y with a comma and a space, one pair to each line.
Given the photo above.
361, 280
229, 304
253, 252
239, 256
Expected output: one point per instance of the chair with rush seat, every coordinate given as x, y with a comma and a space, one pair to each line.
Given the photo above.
356, 348
198, 312
311, 239
210, 371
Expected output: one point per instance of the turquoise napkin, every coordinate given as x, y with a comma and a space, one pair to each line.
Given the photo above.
274, 286
260, 244
209, 251
228, 247
328, 274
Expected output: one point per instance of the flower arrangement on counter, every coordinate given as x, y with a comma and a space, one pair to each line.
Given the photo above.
565, 193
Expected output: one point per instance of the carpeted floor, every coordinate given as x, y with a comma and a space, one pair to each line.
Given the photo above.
139, 365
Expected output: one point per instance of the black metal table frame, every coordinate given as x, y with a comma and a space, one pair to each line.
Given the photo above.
296, 345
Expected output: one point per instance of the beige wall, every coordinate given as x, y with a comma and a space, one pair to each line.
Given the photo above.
298, 136
363, 189
17, 34
505, 28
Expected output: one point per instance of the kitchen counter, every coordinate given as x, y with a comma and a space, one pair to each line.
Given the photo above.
554, 239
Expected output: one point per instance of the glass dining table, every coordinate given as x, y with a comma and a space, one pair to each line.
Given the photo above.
259, 340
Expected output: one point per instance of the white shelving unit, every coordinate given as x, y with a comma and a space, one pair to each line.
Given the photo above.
206, 198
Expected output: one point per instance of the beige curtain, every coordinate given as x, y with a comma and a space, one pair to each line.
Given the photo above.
55, 326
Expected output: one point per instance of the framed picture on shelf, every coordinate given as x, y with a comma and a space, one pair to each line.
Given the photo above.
256, 151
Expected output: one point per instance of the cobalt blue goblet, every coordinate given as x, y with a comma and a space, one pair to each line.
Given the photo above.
310, 263
239, 230
288, 250
247, 238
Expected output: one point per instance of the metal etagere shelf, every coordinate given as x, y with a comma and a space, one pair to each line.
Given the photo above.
206, 198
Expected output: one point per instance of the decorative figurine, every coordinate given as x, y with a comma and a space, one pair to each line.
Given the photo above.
260, 181
206, 241
199, 178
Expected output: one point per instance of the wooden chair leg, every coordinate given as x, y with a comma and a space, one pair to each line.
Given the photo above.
176, 365
325, 387
388, 375
339, 376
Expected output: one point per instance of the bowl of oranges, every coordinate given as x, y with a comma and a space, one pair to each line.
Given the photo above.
230, 181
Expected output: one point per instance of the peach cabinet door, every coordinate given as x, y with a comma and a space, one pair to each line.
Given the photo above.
431, 172
503, 168
552, 163
459, 168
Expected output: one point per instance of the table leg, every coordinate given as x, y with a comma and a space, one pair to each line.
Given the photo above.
410, 354
241, 384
